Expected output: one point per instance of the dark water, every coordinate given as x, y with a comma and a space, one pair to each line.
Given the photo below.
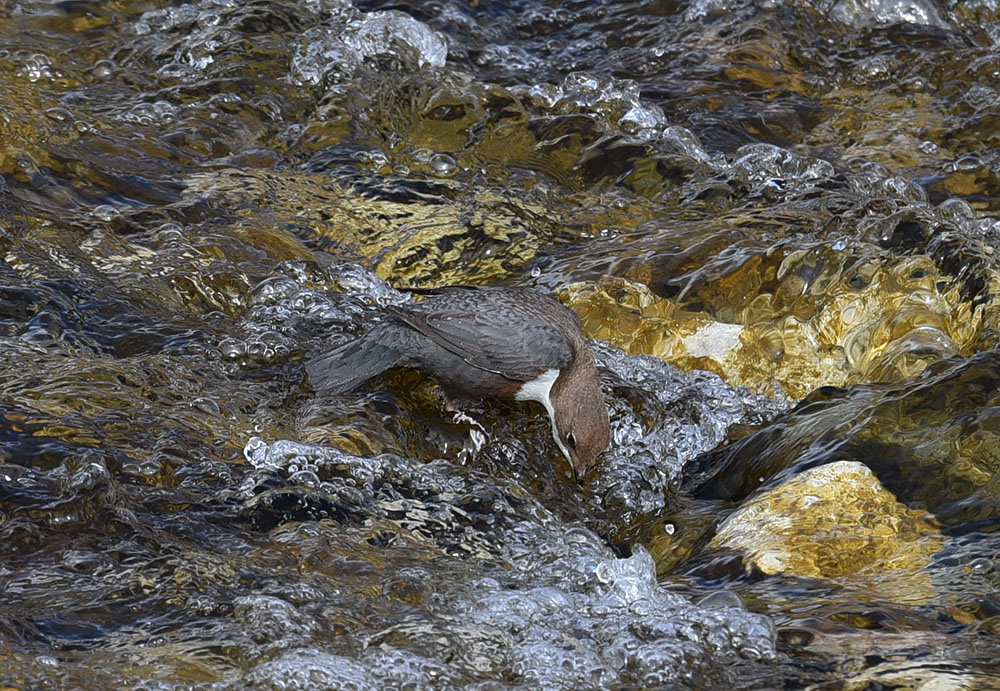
778, 218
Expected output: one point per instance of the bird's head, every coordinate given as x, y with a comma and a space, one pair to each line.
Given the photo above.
579, 416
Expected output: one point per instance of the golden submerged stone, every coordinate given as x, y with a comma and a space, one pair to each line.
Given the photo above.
836, 521
765, 328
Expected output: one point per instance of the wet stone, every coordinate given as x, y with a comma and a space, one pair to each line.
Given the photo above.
837, 522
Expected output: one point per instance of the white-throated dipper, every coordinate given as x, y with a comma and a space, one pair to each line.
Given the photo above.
486, 342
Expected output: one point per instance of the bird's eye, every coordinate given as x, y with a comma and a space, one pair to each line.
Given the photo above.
571, 440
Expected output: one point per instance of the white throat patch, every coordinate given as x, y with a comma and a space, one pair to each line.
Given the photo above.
538, 389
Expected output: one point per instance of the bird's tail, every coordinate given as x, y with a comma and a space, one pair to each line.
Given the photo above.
350, 364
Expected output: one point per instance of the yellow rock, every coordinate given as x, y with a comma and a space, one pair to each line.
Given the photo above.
837, 522
766, 327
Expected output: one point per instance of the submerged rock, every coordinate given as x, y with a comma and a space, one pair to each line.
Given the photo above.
837, 522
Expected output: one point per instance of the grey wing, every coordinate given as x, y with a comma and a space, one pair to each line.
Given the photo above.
515, 343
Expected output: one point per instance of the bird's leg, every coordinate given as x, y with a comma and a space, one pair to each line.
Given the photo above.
477, 433
460, 417
477, 437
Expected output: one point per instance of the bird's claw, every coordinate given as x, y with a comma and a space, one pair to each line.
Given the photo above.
477, 433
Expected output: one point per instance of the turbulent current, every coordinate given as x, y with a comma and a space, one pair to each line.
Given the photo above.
778, 222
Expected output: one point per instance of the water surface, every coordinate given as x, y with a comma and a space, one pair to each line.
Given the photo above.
778, 219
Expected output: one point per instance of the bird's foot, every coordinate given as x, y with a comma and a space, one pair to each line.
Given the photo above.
460, 417
477, 434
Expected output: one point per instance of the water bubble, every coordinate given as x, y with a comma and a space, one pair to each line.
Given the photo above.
38, 67
582, 82
928, 147
105, 212
687, 142
443, 165
306, 478
149, 468
309, 668
232, 348
980, 566
103, 69
326, 56
956, 209
206, 405
274, 289
559, 583
603, 573
969, 164
378, 158
904, 188
916, 84
546, 94
653, 434
767, 165
422, 155
59, 115
721, 599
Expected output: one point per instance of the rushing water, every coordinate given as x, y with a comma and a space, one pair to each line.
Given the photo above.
778, 219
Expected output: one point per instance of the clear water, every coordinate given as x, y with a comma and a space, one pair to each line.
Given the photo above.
778, 221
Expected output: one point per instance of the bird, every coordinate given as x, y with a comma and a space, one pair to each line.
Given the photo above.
479, 342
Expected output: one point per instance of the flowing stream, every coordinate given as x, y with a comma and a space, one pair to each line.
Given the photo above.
778, 220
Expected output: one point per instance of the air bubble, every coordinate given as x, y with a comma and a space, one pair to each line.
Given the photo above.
105, 212
928, 147
443, 165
